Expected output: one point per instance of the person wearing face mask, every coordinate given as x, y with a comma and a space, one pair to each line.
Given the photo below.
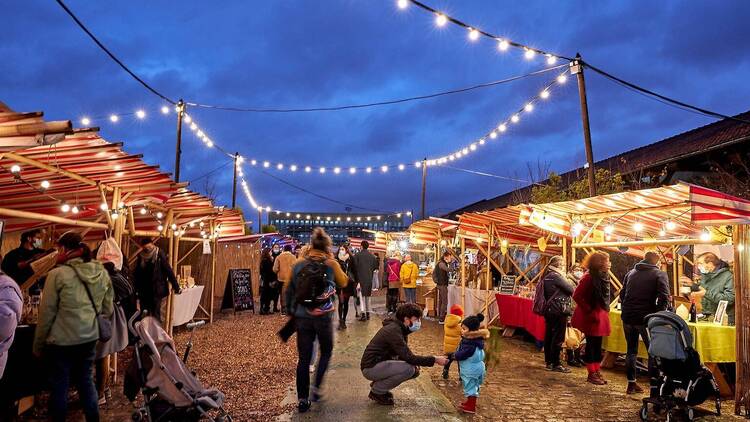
409, 273
151, 275
282, 266
716, 284
387, 360
17, 263
345, 293
67, 332
573, 355
575, 274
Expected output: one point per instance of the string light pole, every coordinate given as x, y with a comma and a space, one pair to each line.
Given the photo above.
424, 185
178, 152
576, 68
234, 180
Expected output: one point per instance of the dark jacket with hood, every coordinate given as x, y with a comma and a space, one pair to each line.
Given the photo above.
441, 273
645, 290
390, 343
151, 278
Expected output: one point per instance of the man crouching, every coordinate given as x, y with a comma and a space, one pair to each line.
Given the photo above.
388, 361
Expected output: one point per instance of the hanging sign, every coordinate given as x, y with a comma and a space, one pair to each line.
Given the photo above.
206, 247
508, 284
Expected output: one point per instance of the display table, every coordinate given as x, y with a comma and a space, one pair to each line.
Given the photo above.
475, 300
715, 343
516, 312
185, 304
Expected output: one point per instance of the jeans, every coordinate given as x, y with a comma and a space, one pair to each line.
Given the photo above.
554, 336
72, 363
308, 330
632, 332
343, 306
442, 302
593, 350
387, 375
411, 294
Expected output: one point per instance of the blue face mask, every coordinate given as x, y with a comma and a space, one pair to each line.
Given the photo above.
415, 325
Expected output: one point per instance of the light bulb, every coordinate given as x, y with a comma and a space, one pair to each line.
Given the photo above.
609, 229
481, 142
201, 224
65, 207
85, 121
671, 225
160, 228
502, 127
174, 226
504, 242
103, 206
529, 107
384, 169
140, 114
209, 143
352, 170
44, 184
401, 166
473, 34
529, 54
544, 94
293, 167
113, 118
662, 233
451, 157
143, 211
187, 118
441, 20
165, 110
551, 59
337, 170
705, 236
280, 166
266, 164
368, 170
402, 4
159, 215
408, 213
115, 215
493, 134
120, 204
561, 79
253, 162
638, 227
398, 215
15, 169
578, 226
322, 170
473, 147
74, 209
268, 209
503, 45
192, 224
308, 169
465, 151
515, 118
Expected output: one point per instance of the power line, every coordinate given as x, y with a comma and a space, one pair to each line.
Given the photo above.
211, 172
662, 98
112, 56
496, 176
377, 103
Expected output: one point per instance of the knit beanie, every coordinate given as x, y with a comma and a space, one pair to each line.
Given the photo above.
472, 322
457, 310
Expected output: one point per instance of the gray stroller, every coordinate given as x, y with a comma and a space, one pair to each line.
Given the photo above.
171, 392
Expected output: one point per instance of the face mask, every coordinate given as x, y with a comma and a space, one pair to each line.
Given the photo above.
37, 243
703, 270
276, 250
415, 326
577, 274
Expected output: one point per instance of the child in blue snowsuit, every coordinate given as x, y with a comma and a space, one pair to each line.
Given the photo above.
470, 357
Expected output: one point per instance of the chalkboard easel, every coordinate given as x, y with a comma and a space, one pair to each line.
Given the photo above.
508, 284
238, 293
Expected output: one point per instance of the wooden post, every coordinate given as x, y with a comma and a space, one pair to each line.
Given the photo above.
214, 252
577, 69
741, 240
178, 146
424, 186
234, 180
463, 273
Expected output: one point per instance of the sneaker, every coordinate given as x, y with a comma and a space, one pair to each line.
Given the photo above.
315, 395
634, 388
416, 372
548, 366
368, 316
342, 325
560, 368
312, 368
303, 405
382, 399
441, 322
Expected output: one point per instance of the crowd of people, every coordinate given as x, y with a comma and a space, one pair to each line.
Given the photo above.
70, 339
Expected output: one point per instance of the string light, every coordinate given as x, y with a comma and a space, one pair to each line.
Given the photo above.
140, 114
529, 54
74, 210
440, 20
165, 110
85, 121
670, 225
114, 118
561, 79
103, 206
609, 229
638, 227
402, 4
503, 45
15, 169
705, 236
473, 34
65, 207
44, 185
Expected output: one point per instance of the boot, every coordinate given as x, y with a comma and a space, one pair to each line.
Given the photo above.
634, 388
342, 325
470, 406
594, 378
571, 359
362, 316
368, 316
445, 373
601, 377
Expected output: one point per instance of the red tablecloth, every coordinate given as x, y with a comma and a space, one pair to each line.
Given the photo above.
515, 311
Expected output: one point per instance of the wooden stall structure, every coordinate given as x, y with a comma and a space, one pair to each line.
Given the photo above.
663, 220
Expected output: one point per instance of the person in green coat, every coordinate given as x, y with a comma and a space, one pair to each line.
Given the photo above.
716, 284
67, 329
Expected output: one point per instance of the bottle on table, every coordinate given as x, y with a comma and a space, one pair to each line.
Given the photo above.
693, 311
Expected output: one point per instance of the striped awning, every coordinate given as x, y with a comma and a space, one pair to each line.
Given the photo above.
432, 230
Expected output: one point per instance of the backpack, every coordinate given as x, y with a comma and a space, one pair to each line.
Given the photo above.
312, 282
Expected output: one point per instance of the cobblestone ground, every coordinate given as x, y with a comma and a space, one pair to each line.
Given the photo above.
518, 388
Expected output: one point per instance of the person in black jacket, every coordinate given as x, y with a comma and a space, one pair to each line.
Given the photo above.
151, 275
557, 297
388, 361
268, 283
441, 276
645, 290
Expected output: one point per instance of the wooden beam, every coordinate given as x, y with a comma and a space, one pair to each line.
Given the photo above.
645, 242
189, 252
463, 273
38, 164
681, 206
50, 218
591, 230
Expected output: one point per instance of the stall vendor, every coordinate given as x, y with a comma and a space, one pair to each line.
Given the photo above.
17, 263
715, 284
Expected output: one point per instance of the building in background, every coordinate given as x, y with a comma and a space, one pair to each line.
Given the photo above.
340, 226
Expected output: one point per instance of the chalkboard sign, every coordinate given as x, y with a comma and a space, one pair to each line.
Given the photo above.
508, 284
238, 293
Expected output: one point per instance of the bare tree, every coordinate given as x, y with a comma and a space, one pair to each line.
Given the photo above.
209, 187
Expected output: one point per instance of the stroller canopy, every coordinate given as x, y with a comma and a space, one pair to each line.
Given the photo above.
670, 335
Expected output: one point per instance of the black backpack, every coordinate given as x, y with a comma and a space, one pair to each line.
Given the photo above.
311, 283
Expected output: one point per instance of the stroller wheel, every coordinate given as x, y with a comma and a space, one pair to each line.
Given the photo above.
644, 412
690, 413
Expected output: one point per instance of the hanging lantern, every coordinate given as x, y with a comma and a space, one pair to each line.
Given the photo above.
542, 243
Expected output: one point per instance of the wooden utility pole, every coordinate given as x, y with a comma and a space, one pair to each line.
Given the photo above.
576, 68
260, 220
178, 149
424, 185
234, 180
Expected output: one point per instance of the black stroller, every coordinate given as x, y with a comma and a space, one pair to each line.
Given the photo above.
683, 381
171, 392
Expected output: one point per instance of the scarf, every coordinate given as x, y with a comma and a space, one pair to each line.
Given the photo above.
601, 289
343, 256
149, 256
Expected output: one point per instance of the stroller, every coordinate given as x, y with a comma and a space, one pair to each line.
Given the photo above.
171, 392
683, 382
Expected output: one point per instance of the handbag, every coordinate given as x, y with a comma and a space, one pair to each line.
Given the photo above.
559, 305
573, 338
105, 325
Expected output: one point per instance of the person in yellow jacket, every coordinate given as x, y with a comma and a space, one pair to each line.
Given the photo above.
409, 274
452, 334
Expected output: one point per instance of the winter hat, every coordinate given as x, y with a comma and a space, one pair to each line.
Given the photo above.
457, 310
472, 322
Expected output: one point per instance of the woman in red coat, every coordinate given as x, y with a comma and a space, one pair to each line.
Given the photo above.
591, 315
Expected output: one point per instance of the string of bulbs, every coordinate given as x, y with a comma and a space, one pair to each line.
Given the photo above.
667, 224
